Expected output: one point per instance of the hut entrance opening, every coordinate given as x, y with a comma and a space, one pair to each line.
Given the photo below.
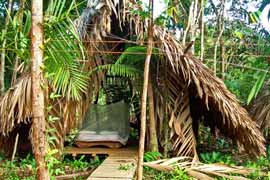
106, 125
107, 122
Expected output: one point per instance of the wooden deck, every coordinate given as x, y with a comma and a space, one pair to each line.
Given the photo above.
119, 165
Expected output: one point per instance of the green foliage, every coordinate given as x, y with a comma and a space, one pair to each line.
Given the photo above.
125, 167
134, 134
28, 162
129, 64
256, 88
62, 47
260, 166
82, 163
180, 174
62, 50
254, 17
70, 138
79, 163
177, 174
52, 163
56, 166
216, 157
118, 70
135, 56
152, 156
2, 156
246, 83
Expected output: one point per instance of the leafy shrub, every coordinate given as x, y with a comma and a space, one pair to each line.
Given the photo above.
152, 156
70, 138
216, 157
177, 174
28, 162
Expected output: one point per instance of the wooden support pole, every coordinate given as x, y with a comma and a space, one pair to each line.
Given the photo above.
144, 94
15, 147
152, 120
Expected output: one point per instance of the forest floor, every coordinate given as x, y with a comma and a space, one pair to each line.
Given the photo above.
221, 151
67, 168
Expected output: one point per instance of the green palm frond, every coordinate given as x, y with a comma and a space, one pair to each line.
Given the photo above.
63, 49
118, 70
69, 79
135, 56
129, 64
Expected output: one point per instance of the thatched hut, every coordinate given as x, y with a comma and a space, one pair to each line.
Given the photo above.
185, 92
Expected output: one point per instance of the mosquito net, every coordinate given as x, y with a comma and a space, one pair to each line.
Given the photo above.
106, 123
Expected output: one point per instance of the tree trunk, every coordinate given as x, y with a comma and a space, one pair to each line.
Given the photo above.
144, 94
191, 28
152, 120
194, 24
38, 108
222, 59
17, 60
220, 25
188, 23
3, 53
202, 29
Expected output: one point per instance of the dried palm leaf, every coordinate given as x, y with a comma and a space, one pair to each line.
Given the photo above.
15, 105
233, 120
200, 170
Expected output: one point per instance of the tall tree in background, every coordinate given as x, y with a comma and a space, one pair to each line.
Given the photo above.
38, 127
202, 29
3, 51
17, 59
220, 28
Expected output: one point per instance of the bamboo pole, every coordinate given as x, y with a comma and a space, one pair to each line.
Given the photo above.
144, 94
37, 80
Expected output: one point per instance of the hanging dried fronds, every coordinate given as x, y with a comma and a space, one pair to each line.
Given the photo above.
15, 109
232, 119
15, 105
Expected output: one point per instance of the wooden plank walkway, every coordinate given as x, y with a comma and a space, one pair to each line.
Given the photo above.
113, 168
119, 165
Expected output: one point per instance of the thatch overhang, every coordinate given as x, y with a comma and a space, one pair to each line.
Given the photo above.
186, 80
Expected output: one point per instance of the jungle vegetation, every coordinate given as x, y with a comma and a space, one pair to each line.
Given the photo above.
173, 68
